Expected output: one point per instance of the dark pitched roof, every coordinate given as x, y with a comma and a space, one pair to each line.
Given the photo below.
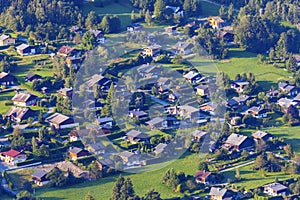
215, 191
65, 50
39, 173
126, 154
57, 118
18, 112
30, 75
160, 147
23, 97
155, 120
236, 139
75, 150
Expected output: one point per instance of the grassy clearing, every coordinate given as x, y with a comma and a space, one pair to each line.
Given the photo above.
19, 177
253, 179
209, 9
143, 182
5, 97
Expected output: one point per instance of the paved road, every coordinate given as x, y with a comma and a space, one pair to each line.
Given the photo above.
242, 165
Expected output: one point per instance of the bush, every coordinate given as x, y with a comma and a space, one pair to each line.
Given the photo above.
27, 162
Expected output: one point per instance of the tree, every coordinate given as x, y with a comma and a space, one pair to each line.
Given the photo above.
293, 112
260, 162
127, 191
148, 18
159, 8
230, 12
34, 145
203, 166
57, 177
291, 64
237, 174
89, 40
152, 195
91, 20
171, 179
281, 47
116, 193
289, 150
40, 117
110, 24
272, 54
132, 16
222, 11
43, 133
23, 195
187, 7
89, 196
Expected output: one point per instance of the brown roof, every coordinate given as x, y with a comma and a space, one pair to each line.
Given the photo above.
23, 97
57, 118
18, 112
202, 174
65, 50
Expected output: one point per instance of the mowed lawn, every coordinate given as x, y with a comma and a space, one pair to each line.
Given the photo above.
143, 182
253, 179
241, 61
4, 98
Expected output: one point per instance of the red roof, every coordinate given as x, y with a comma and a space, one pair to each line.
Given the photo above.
12, 153
65, 50
202, 174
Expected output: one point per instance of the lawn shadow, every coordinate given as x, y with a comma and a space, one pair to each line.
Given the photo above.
239, 53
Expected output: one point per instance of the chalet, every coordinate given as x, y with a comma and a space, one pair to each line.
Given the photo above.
171, 30
216, 22
76, 135
75, 153
202, 90
157, 123
74, 62
25, 50
138, 114
176, 10
65, 92
12, 157
257, 112
199, 135
183, 48
99, 35
67, 51
18, 114
217, 193
97, 148
100, 80
235, 121
160, 148
24, 99
241, 100
239, 142
239, 86
231, 103
285, 103
297, 58
204, 177
30, 77
6, 40
272, 94
209, 107
226, 36
152, 50
275, 189
163, 81
149, 71
287, 88
262, 135
174, 96
185, 111
7, 79
135, 136
193, 77
129, 158
39, 177
60, 121
106, 122
134, 27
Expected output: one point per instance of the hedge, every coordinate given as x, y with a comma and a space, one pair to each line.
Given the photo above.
86, 160
27, 162
115, 135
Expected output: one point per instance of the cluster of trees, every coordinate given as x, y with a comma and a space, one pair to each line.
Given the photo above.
64, 105
109, 24
6, 63
123, 189
258, 28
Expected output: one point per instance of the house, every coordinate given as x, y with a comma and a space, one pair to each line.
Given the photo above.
174, 96
135, 136
75, 153
272, 94
204, 177
149, 71
7, 79
18, 114
24, 99
185, 111
239, 85
157, 123
285, 103
193, 77
106, 122
152, 50
134, 27
217, 193
99, 35
287, 88
12, 157
60, 121
226, 36
235, 121
183, 48
76, 29
129, 158
257, 112
98, 79
275, 189
163, 81
39, 177
209, 107
25, 50
202, 90
239, 142
199, 135
67, 51
297, 58
65, 92
160, 148
74, 61
241, 100
171, 30
216, 22
97, 148
138, 114
30, 77
76, 135
262, 135
176, 10
6, 40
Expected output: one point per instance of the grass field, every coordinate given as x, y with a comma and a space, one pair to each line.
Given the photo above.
241, 61
143, 182
4, 98
253, 179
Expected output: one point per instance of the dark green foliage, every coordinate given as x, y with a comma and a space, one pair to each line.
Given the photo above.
110, 24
